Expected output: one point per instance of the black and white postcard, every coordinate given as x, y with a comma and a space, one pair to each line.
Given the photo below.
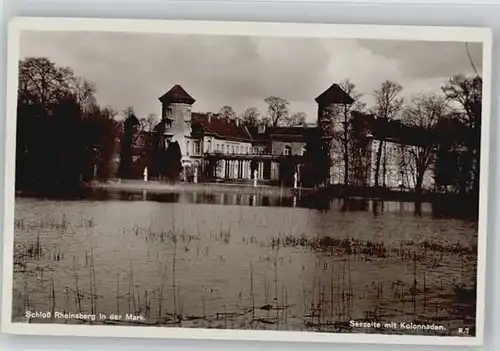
246, 181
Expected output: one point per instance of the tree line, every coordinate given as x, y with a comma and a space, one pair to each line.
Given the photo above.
278, 114
64, 137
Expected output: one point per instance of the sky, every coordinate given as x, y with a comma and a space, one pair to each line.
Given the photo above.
135, 69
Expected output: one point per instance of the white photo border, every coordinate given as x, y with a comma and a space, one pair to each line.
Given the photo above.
277, 29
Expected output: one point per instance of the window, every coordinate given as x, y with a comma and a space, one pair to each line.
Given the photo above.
227, 149
168, 140
197, 148
232, 149
238, 149
187, 147
288, 150
209, 146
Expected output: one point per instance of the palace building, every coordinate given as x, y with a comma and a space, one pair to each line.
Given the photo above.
218, 148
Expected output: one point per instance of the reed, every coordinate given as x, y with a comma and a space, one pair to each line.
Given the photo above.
321, 297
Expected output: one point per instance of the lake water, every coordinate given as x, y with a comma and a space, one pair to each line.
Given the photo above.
235, 261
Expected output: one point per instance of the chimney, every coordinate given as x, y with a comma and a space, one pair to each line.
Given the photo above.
209, 117
237, 121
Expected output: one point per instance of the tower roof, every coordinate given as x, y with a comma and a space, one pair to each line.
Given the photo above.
177, 94
132, 120
334, 95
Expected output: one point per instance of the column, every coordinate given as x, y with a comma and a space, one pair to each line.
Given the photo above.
223, 169
249, 170
274, 170
298, 175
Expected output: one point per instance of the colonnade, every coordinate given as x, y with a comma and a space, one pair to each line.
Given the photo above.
241, 169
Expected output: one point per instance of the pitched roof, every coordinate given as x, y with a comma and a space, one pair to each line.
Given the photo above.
281, 133
132, 120
334, 95
177, 94
394, 130
224, 128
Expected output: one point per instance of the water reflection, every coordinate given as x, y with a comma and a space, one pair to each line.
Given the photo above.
316, 202
179, 259
441, 207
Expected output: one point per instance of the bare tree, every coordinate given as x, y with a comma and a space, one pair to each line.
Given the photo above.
149, 122
54, 104
42, 82
85, 94
423, 114
464, 97
227, 112
345, 139
277, 110
296, 119
265, 121
387, 107
250, 116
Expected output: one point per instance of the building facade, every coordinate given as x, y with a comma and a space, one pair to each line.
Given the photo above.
218, 148
200, 134
396, 154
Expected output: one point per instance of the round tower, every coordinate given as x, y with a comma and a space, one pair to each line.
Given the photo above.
334, 95
176, 107
176, 111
